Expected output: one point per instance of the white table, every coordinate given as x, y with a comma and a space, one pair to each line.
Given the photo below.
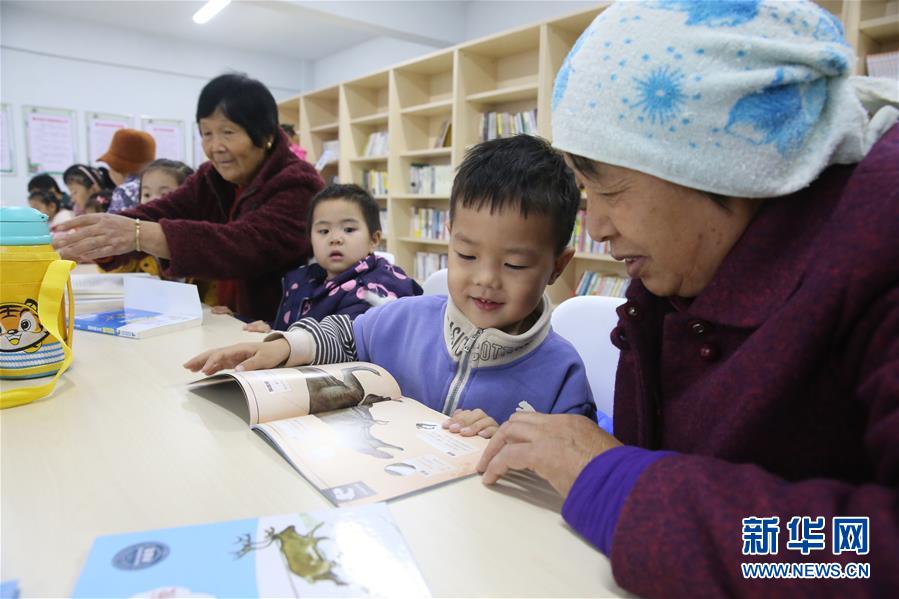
122, 445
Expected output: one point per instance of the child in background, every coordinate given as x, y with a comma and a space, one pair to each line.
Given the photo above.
347, 278
487, 350
82, 181
98, 202
46, 182
50, 205
129, 152
157, 179
294, 140
162, 176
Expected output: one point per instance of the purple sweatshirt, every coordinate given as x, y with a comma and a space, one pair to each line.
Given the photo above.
775, 392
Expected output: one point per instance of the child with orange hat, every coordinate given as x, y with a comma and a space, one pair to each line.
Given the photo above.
129, 152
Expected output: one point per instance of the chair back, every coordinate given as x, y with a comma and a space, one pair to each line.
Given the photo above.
436, 283
586, 321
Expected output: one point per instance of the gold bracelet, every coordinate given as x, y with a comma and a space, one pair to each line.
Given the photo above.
136, 234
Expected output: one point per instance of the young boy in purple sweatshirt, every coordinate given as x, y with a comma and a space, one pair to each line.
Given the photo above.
487, 350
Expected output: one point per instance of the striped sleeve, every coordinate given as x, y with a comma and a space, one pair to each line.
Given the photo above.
334, 338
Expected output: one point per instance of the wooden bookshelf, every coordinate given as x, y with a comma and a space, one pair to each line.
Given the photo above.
512, 71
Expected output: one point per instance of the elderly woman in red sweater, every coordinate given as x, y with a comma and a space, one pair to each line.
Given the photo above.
239, 220
728, 160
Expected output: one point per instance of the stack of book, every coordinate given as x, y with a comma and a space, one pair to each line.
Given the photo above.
594, 283
494, 125
385, 222
375, 182
377, 144
434, 179
581, 240
428, 223
427, 263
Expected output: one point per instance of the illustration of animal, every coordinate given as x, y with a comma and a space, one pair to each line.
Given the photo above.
20, 329
301, 552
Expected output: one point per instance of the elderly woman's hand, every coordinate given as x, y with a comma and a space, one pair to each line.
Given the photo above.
92, 236
555, 446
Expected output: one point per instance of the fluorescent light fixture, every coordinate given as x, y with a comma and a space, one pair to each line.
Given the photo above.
209, 10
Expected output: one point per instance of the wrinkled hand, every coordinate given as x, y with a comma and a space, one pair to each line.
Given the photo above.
242, 356
91, 236
471, 422
555, 446
257, 326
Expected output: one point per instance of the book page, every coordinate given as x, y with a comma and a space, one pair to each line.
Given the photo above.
374, 452
287, 392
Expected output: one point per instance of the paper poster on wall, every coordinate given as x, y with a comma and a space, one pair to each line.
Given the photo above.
100, 129
50, 139
169, 136
7, 156
199, 154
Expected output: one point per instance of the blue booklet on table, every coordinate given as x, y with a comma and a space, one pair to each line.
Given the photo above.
151, 307
341, 552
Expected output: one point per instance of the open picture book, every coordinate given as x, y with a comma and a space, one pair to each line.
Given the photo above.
348, 430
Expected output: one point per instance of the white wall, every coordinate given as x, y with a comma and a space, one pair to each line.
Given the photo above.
86, 67
482, 18
363, 59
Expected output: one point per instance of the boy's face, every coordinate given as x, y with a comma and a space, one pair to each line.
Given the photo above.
500, 264
340, 237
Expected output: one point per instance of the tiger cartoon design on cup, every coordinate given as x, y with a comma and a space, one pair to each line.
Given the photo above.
20, 329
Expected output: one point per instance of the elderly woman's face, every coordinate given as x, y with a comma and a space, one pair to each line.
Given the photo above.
230, 149
672, 238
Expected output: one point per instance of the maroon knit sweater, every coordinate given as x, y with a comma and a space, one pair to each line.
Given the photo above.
779, 386
264, 237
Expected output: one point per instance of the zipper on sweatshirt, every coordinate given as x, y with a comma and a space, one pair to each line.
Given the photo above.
462, 375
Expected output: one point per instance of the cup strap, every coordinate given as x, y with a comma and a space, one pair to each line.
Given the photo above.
56, 281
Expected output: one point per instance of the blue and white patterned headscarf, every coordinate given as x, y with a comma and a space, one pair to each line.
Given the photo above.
747, 98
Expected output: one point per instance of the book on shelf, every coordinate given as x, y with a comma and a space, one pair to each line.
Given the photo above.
444, 136
377, 144
885, 64
375, 182
385, 225
349, 431
344, 552
435, 179
428, 223
427, 263
494, 125
324, 160
594, 283
149, 307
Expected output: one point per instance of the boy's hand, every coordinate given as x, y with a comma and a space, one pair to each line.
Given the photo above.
222, 310
257, 326
242, 356
471, 422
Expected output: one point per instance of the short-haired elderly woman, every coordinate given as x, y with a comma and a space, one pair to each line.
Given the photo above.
728, 160
240, 220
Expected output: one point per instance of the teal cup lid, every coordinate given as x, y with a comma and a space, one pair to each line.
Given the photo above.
23, 225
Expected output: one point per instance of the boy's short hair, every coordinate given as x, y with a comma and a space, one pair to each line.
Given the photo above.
522, 172
351, 193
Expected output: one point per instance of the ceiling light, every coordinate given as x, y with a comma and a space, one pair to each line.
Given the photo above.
209, 10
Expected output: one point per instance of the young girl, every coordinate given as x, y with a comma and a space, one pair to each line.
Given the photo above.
157, 179
162, 176
347, 278
50, 205
83, 180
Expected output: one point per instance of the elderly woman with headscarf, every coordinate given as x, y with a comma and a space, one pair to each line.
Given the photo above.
239, 220
730, 162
